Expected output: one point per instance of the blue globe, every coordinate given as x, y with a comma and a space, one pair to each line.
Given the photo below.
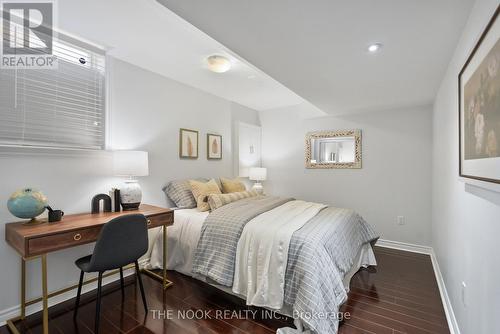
27, 203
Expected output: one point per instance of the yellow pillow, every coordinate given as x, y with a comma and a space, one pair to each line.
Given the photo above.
217, 200
201, 190
232, 186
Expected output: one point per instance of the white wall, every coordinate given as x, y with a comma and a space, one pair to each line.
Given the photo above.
465, 218
146, 112
395, 178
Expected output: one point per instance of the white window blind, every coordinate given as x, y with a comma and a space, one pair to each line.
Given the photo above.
57, 108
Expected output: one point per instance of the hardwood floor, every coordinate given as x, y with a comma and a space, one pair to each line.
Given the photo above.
399, 296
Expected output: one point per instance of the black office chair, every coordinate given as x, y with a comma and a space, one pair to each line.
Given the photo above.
123, 240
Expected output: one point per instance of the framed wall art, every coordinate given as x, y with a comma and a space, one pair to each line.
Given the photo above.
188, 144
479, 108
214, 147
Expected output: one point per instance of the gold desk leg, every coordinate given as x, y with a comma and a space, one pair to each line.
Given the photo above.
23, 288
163, 278
24, 303
12, 327
10, 323
45, 295
164, 256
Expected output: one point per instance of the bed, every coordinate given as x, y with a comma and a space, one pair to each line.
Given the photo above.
293, 257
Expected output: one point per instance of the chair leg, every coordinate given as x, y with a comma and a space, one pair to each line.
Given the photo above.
138, 274
122, 281
77, 302
98, 304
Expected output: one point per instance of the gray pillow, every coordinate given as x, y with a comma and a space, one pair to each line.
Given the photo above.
179, 192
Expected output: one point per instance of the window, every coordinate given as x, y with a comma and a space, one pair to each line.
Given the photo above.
56, 108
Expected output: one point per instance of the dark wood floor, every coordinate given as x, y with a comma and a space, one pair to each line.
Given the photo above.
399, 296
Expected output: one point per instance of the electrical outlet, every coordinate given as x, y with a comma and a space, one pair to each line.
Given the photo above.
464, 295
401, 220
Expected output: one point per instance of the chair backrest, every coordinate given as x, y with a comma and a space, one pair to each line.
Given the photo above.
123, 240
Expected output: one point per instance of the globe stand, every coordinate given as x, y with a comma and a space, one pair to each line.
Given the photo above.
34, 221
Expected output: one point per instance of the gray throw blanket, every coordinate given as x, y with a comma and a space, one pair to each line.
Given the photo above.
321, 253
215, 254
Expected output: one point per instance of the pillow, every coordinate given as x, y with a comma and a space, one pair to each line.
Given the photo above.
217, 200
232, 185
179, 192
201, 190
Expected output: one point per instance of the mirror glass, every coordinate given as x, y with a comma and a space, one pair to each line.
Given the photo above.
333, 149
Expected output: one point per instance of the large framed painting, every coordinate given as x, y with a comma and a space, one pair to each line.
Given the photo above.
479, 107
188, 144
214, 147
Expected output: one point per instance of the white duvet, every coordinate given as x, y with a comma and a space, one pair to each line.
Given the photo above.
262, 252
182, 240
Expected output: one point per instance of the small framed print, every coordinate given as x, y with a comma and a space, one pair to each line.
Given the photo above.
214, 147
188, 144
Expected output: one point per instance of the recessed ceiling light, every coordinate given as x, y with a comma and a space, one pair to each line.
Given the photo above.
374, 47
218, 64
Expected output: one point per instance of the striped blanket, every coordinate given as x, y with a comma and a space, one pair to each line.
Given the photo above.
215, 254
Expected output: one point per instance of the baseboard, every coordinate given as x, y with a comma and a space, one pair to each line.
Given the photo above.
448, 309
404, 246
14, 311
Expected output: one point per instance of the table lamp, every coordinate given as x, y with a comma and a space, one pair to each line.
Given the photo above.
130, 164
257, 174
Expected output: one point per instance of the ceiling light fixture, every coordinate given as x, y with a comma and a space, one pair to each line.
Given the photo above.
374, 47
218, 64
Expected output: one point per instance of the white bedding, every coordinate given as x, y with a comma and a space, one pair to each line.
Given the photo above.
259, 275
183, 238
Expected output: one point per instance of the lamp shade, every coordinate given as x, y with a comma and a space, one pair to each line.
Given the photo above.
257, 174
130, 163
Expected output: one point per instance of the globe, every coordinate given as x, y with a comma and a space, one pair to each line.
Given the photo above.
27, 203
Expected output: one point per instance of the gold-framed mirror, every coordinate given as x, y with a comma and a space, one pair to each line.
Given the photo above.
333, 149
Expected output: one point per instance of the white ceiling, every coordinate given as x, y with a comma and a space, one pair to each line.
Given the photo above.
318, 48
149, 35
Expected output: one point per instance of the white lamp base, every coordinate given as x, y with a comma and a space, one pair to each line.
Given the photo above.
258, 186
130, 195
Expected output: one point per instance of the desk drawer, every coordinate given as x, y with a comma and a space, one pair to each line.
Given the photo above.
50, 243
160, 220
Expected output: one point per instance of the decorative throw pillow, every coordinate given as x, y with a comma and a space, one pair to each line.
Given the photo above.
232, 185
179, 192
201, 190
217, 200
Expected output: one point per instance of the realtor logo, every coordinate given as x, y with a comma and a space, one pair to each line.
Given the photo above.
27, 35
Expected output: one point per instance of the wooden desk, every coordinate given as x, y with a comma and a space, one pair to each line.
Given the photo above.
33, 241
